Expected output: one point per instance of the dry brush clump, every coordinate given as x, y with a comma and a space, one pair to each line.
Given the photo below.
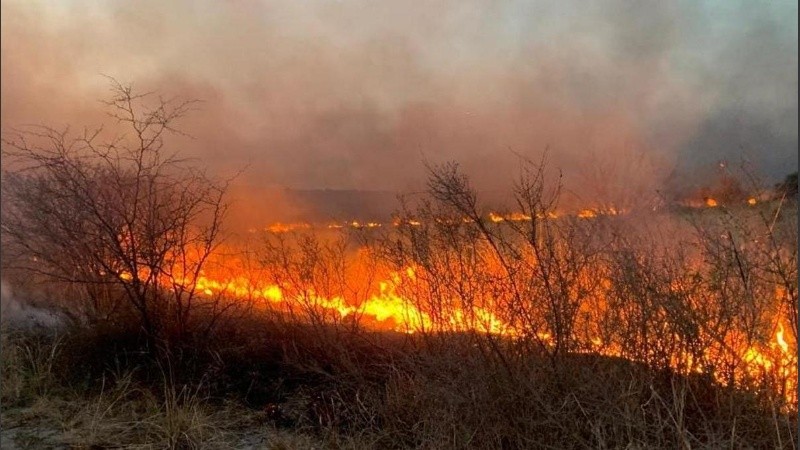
123, 222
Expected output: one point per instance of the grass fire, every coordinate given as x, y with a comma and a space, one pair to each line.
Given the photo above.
363, 227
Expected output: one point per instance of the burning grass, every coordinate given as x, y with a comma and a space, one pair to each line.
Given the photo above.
392, 340
685, 307
457, 326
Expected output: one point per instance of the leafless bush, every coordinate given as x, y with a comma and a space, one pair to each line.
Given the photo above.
535, 272
323, 281
128, 221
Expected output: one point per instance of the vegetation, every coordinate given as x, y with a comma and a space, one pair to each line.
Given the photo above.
639, 330
127, 223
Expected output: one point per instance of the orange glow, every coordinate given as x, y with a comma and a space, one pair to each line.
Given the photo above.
779, 339
512, 217
402, 301
287, 227
495, 217
711, 203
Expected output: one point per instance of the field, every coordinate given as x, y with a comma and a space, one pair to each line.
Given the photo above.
449, 329
357, 224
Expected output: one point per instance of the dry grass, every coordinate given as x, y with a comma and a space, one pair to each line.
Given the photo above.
343, 393
27, 366
259, 380
123, 413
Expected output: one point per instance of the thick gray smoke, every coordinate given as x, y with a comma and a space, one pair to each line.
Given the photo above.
354, 95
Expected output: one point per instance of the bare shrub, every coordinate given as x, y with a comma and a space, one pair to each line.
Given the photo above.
128, 221
534, 271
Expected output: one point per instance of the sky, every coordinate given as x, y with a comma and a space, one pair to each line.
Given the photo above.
622, 95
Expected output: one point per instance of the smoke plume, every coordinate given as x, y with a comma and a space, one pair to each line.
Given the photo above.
355, 95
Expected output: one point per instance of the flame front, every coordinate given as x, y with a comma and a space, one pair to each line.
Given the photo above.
409, 301
386, 308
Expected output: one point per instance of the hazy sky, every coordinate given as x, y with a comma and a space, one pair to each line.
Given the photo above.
354, 94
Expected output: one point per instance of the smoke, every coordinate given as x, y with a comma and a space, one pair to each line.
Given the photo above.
355, 95
16, 313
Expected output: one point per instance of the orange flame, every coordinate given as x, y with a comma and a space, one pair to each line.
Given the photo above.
389, 306
495, 217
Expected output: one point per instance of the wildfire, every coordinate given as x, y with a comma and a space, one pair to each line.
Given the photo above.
391, 303
779, 339
776, 360
388, 309
711, 203
512, 217
493, 217
385, 306
286, 227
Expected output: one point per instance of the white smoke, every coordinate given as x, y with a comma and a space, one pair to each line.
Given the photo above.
16, 313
